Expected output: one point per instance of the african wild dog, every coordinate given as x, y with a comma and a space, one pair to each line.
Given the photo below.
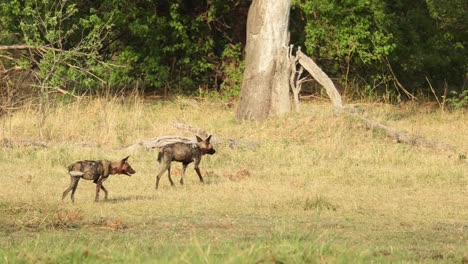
185, 153
96, 170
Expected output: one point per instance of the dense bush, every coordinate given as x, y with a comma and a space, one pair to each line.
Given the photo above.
371, 48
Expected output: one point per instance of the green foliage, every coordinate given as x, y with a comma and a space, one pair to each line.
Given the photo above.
68, 42
451, 15
175, 44
458, 101
232, 66
348, 39
350, 32
430, 42
360, 41
179, 46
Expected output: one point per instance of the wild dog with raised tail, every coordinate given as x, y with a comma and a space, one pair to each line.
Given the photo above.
98, 171
185, 153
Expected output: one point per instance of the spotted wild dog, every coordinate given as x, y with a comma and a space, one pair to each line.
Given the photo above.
96, 170
185, 153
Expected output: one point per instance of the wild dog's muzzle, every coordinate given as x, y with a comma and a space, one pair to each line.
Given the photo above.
129, 172
211, 151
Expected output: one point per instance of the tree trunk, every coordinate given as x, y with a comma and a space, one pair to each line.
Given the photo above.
265, 87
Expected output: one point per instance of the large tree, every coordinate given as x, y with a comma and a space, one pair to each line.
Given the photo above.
265, 87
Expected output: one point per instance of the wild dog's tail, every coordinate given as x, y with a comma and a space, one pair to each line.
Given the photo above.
160, 154
73, 172
76, 173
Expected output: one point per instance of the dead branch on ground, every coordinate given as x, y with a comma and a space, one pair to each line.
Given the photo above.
158, 142
400, 136
397, 135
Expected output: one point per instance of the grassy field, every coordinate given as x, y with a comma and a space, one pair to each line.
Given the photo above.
319, 188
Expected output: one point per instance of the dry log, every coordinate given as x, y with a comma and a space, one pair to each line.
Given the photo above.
398, 135
401, 136
158, 142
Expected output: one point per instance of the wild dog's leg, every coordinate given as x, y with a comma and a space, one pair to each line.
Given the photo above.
98, 188
169, 174
184, 167
164, 166
69, 188
77, 179
73, 184
105, 191
197, 169
199, 174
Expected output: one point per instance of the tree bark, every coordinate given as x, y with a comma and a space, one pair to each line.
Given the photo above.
265, 87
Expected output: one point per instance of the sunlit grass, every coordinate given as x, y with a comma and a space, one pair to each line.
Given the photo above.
318, 188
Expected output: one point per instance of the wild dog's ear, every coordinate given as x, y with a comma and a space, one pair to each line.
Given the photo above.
208, 138
125, 160
199, 139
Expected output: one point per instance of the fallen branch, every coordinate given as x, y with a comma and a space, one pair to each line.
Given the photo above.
398, 135
158, 142
401, 136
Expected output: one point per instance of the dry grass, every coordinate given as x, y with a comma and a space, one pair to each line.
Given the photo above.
320, 188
